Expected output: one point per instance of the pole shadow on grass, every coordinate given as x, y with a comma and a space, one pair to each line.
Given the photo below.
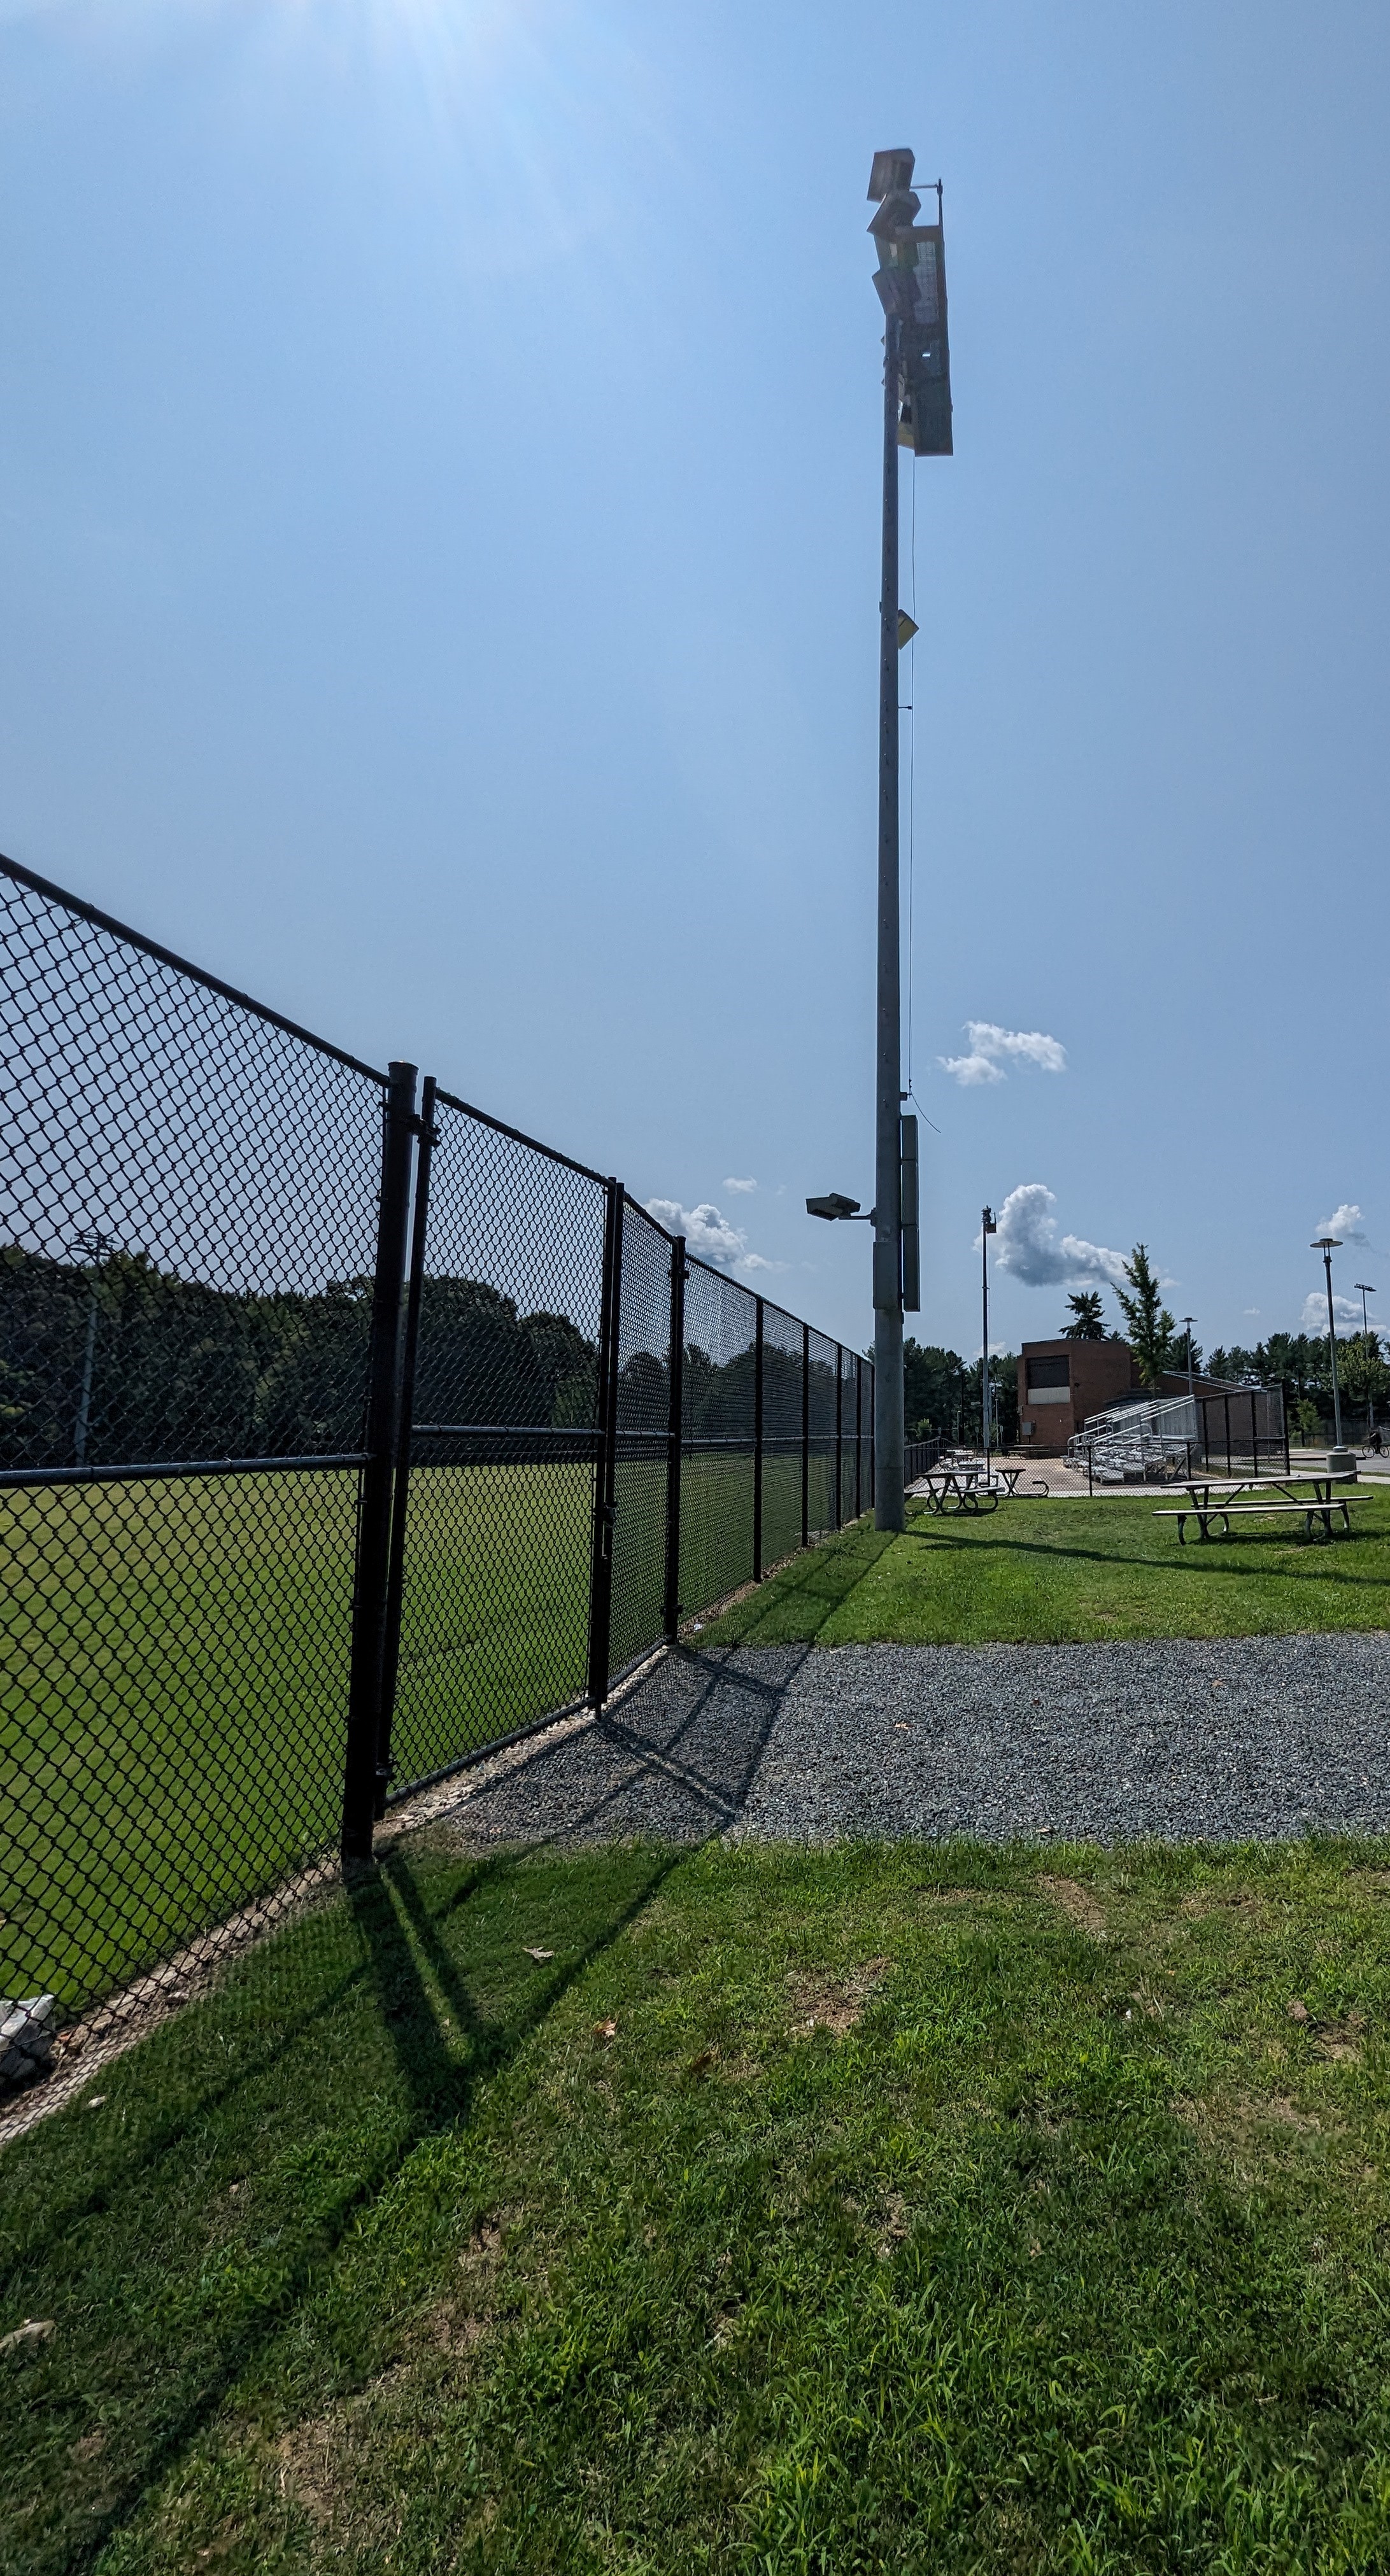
407, 1963
1189, 1561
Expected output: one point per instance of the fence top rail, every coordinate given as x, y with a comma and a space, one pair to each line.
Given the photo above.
518, 1135
73, 903
693, 1260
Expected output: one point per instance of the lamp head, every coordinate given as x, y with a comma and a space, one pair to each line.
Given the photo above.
891, 172
1326, 1243
834, 1204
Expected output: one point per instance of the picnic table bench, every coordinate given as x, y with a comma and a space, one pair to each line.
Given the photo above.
1211, 1499
966, 1487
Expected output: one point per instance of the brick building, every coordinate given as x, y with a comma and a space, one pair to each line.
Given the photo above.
1061, 1384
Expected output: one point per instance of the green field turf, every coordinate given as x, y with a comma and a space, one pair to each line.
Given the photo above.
174, 1672
908, 2212
1057, 1572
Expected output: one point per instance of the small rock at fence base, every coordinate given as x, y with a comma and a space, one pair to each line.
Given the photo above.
27, 2339
537, 1954
94, 2102
26, 2036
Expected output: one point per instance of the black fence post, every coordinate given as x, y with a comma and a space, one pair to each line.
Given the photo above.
363, 1755
405, 1424
759, 1347
671, 1613
1227, 1403
606, 1465
805, 1435
1284, 1420
839, 1427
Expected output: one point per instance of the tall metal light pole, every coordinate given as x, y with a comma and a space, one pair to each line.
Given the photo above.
987, 1228
1365, 1290
890, 1511
1189, 1321
911, 284
1327, 1244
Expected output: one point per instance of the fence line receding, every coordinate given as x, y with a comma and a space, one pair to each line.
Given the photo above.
344, 1432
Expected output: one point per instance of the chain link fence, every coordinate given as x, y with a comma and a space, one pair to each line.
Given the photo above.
344, 1433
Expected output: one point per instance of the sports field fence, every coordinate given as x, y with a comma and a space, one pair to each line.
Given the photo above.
345, 1434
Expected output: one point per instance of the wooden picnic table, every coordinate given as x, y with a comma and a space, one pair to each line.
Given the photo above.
1212, 1498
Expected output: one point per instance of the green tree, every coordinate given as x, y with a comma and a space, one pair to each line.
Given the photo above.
937, 1389
1152, 1330
1087, 1321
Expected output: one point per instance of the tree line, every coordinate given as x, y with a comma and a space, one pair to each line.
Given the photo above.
116, 1361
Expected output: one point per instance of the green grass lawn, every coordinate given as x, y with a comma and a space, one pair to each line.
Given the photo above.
174, 1672
1054, 1572
910, 2210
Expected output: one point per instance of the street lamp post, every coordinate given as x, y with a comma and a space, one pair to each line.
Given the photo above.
911, 286
1365, 1290
1327, 1244
987, 1228
1189, 1321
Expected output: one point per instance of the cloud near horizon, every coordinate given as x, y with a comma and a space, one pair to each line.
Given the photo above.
709, 1235
741, 1186
1028, 1247
991, 1048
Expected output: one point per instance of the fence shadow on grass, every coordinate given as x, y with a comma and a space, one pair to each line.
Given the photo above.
173, 2233
673, 1761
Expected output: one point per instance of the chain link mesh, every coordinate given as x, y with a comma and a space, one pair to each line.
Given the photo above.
500, 1503
782, 1383
643, 1423
188, 1194
717, 1438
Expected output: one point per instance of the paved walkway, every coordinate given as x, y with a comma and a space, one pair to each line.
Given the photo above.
1227, 1738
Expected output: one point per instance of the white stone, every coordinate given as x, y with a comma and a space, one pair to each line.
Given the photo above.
26, 2036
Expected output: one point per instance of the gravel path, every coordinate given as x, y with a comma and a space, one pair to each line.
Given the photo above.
1223, 1738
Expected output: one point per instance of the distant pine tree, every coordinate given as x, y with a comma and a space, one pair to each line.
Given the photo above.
1087, 1322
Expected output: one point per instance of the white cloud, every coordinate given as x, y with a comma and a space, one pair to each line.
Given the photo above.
992, 1047
1027, 1244
1314, 1317
742, 1187
710, 1235
1346, 1222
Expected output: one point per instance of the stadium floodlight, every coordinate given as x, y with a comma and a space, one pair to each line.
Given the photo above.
1327, 1244
910, 282
833, 1205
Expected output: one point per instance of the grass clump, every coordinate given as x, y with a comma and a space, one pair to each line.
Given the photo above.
1058, 1573
902, 2209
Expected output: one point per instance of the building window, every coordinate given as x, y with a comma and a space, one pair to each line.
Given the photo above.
1050, 1375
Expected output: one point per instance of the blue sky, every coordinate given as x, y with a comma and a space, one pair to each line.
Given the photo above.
438, 513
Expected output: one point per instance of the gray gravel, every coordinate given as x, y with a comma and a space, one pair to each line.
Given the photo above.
1258, 1737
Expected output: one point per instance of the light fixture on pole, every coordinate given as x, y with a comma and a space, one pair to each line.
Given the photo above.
911, 286
835, 1207
987, 1228
1365, 1290
1327, 1244
1189, 1321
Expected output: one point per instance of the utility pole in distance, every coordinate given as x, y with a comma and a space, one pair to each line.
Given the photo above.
911, 284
